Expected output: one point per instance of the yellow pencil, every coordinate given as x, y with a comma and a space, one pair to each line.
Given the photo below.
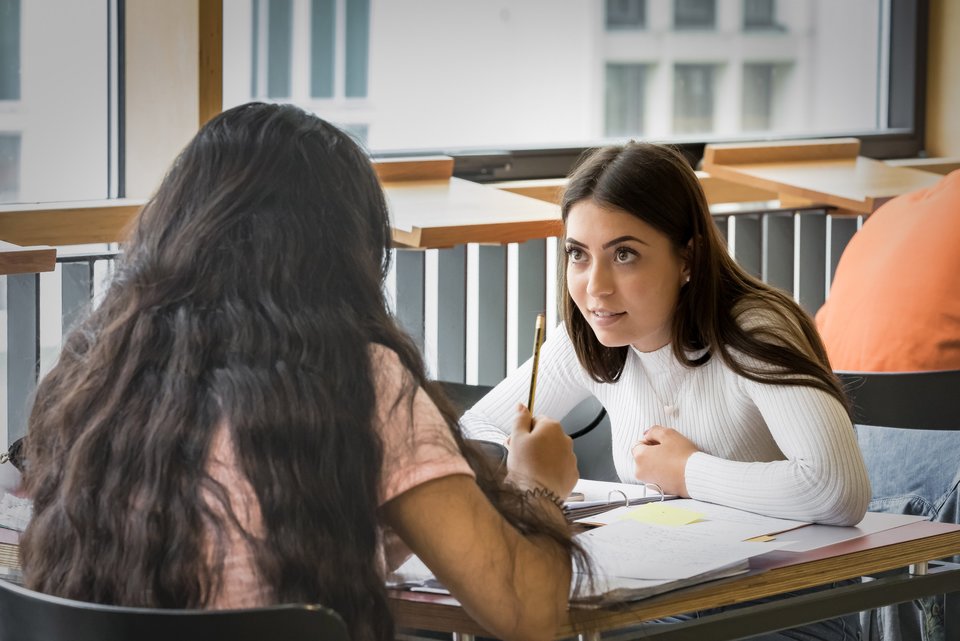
537, 342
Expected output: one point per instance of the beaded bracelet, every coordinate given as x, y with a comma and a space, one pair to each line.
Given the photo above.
544, 493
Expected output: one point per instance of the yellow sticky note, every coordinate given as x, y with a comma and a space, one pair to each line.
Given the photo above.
662, 514
763, 538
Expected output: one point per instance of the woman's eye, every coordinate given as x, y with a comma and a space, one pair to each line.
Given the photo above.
574, 254
624, 255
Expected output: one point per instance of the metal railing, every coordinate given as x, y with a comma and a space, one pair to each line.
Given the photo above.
470, 308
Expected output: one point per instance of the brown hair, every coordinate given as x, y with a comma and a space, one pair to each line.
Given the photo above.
722, 308
250, 293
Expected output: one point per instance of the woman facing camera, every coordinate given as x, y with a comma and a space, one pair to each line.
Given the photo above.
240, 422
717, 385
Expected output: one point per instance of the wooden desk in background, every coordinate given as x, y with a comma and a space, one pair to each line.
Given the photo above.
430, 208
777, 572
828, 171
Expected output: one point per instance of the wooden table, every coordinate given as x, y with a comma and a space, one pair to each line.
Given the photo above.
429, 208
15, 259
912, 545
827, 171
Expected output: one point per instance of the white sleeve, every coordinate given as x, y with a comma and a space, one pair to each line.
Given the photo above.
823, 478
561, 385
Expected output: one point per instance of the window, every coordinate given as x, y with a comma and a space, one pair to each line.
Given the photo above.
626, 14
625, 97
313, 53
758, 96
332, 40
695, 14
9, 49
9, 168
759, 14
455, 76
693, 98
272, 48
55, 102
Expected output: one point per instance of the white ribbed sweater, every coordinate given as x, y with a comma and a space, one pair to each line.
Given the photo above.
784, 451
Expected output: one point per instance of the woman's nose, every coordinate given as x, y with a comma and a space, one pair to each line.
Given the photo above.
600, 282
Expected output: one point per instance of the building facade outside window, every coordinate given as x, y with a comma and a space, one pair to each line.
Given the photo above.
626, 14
695, 14
9, 168
9, 50
759, 14
693, 98
314, 53
625, 100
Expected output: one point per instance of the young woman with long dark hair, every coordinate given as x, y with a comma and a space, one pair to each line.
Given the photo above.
241, 422
717, 385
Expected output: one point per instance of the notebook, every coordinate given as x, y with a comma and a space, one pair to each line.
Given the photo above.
590, 498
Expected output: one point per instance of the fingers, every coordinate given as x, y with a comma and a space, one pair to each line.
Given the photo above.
524, 421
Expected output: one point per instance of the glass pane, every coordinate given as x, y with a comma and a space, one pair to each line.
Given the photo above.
625, 100
695, 14
358, 47
451, 75
54, 100
279, 43
758, 14
626, 14
322, 43
693, 99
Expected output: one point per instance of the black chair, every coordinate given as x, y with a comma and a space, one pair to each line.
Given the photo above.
908, 427
26, 615
908, 400
587, 424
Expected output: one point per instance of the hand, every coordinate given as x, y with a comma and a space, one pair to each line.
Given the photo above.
541, 455
661, 458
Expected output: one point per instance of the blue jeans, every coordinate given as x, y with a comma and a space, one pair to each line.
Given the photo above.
912, 472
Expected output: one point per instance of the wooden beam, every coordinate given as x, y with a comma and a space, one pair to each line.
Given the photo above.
210, 59
793, 151
391, 170
15, 259
67, 224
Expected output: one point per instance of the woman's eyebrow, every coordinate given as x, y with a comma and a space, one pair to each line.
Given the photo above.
573, 241
620, 239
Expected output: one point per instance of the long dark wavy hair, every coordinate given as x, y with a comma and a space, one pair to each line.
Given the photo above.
722, 308
249, 295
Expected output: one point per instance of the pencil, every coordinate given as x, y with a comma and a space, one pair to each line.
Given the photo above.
537, 342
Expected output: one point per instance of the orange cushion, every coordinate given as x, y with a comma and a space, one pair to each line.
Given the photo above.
895, 300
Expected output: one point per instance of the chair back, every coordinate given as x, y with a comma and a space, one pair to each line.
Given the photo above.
26, 615
910, 400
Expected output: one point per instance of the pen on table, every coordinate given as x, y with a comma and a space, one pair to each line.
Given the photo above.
537, 342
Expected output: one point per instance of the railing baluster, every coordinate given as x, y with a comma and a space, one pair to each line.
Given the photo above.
23, 349
776, 263
452, 314
492, 314
810, 259
410, 293
76, 290
531, 294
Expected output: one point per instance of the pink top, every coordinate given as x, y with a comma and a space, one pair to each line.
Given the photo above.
430, 454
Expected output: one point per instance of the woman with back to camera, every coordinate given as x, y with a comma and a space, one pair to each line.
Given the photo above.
240, 422
717, 386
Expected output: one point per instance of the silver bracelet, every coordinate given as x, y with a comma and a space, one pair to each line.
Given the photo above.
544, 493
